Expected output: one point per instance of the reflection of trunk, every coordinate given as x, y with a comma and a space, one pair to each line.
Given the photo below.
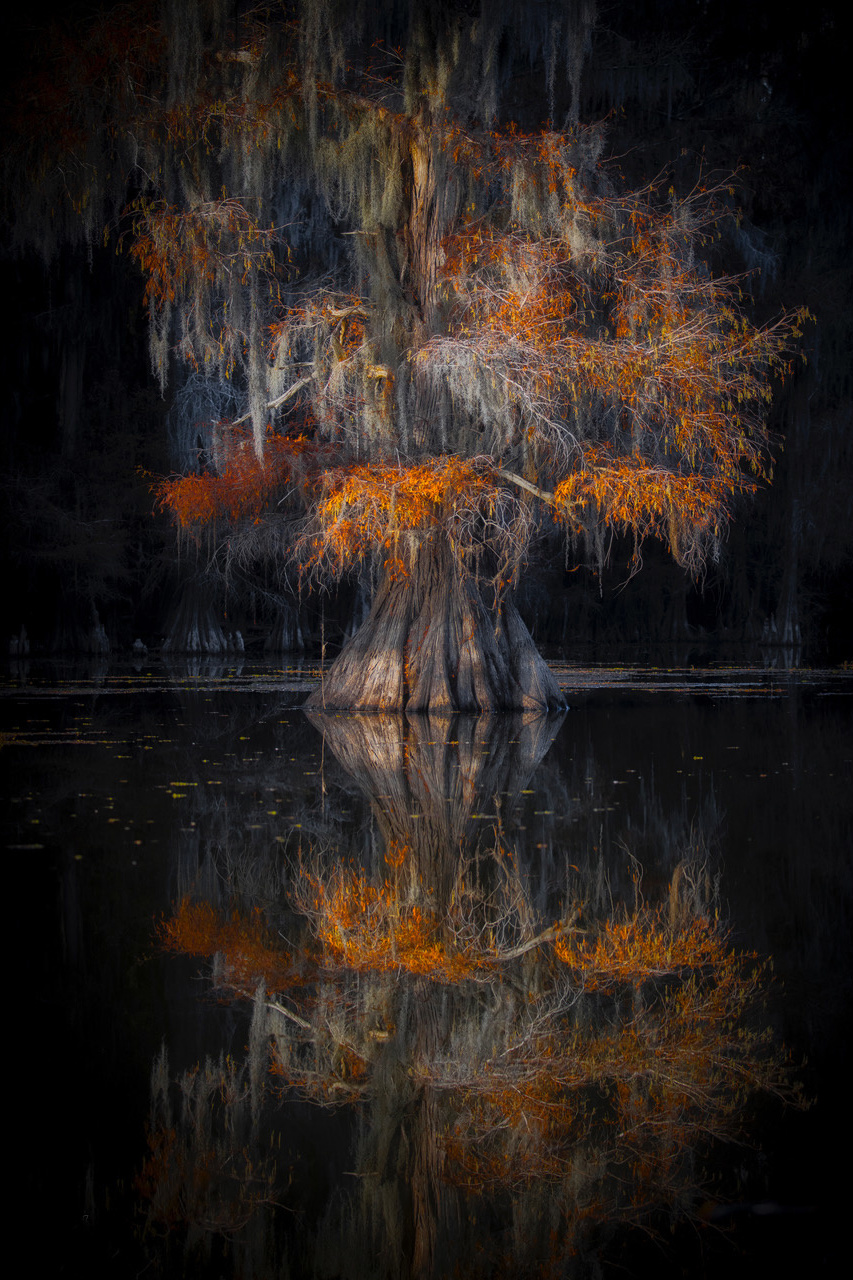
425, 1184
427, 778
431, 644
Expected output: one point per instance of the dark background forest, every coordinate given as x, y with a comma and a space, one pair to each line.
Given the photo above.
89, 565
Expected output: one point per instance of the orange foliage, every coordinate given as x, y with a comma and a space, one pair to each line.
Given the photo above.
182, 250
602, 314
643, 499
586, 314
365, 507
671, 345
242, 489
248, 950
76, 65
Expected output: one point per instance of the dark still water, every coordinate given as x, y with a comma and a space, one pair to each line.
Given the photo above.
367, 997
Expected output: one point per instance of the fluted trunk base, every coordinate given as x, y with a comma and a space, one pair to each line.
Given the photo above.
430, 643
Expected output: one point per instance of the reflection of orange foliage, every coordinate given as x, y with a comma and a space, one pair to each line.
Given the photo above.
365, 927
639, 1092
396, 853
203, 1177
644, 946
249, 953
242, 489
342, 1076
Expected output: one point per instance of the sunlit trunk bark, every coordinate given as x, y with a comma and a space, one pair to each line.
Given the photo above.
431, 643
422, 232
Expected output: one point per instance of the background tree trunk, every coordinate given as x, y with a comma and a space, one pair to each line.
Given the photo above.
195, 626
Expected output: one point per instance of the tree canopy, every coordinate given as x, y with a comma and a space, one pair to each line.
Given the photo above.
398, 308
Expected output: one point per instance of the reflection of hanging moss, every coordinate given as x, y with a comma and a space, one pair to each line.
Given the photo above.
209, 1171
565, 1067
602, 1060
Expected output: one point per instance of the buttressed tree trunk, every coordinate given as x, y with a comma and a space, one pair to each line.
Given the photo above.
431, 643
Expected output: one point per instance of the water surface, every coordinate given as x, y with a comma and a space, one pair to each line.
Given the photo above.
128, 789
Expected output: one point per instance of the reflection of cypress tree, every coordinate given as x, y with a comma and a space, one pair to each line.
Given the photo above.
550, 1081
429, 781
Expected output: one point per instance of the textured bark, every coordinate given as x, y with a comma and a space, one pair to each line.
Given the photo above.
195, 627
79, 628
286, 632
431, 644
422, 235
